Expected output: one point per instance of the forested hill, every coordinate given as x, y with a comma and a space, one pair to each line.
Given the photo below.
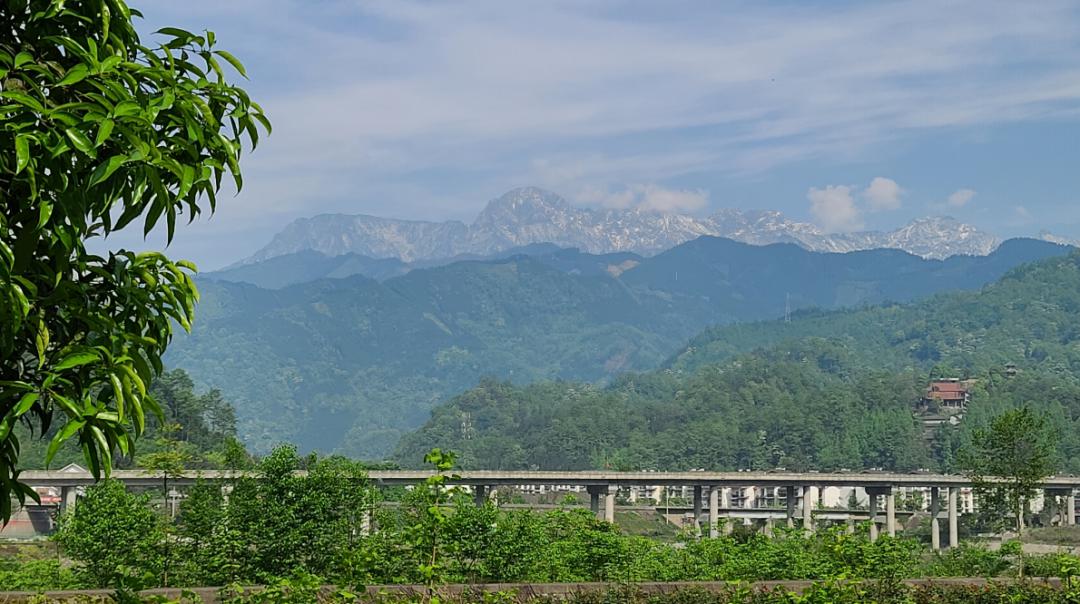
349, 364
829, 390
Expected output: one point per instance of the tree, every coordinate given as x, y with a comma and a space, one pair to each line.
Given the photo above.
114, 536
1008, 459
98, 131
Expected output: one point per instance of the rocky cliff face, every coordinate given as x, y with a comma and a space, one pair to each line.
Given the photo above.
530, 215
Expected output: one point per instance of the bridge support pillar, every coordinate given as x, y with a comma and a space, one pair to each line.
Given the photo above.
935, 524
808, 507
954, 524
1070, 508
68, 495
714, 512
609, 504
890, 513
1052, 506
608, 492
480, 495
698, 505
791, 497
873, 496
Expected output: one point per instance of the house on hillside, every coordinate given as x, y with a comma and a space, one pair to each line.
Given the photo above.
950, 396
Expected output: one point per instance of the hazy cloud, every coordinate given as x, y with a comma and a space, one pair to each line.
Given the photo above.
960, 198
426, 110
882, 194
833, 207
650, 197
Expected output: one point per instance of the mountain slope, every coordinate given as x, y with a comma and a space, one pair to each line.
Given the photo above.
827, 390
529, 215
348, 364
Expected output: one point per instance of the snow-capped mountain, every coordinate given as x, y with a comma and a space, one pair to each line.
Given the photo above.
530, 215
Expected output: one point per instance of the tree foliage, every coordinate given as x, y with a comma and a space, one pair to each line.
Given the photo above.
98, 132
114, 536
829, 390
1009, 459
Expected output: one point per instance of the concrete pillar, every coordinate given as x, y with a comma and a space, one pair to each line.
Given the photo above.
609, 504
594, 499
1070, 508
366, 523
850, 528
1050, 499
791, 497
480, 493
873, 513
68, 495
768, 527
808, 508
697, 509
935, 525
954, 524
890, 512
714, 512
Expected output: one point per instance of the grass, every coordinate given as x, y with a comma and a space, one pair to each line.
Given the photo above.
646, 523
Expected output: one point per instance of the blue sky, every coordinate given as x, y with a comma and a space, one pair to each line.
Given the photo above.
849, 115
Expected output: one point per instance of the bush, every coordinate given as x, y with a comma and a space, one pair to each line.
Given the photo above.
114, 537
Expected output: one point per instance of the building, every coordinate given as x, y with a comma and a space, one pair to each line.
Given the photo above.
950, 396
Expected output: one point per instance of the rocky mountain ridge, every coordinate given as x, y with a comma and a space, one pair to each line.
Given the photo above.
530, 215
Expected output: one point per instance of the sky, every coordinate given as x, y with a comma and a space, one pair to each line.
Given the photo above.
849, 115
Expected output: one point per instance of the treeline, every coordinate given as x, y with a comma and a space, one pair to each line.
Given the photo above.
827, 390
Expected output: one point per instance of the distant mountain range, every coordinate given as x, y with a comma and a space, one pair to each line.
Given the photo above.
348, 364
530, 215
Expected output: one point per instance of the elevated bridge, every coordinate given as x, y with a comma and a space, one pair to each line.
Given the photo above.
800, 490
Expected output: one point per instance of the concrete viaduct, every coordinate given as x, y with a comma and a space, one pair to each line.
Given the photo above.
602, 486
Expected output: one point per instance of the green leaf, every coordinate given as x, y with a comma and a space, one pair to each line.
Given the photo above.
22, 59
176, 32
26, 402
104, 130
80, 140
77, 359
74, 75
105, 169
237, 65
22, 152
23, 99
44, 213
73, 426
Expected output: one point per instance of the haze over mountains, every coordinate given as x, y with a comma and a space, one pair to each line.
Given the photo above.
530, 215
349, 364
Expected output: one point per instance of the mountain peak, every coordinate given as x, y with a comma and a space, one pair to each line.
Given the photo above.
524, 204
529, 215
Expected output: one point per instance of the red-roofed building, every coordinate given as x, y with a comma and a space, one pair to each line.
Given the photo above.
952, 395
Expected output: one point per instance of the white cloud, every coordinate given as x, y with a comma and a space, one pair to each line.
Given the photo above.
834, 208
960, 198
459, 101
1023, 215
649, 197
882, 194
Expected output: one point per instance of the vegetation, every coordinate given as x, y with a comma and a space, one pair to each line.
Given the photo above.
195, 430
829, 390
1008, 460
97, 131
374, 357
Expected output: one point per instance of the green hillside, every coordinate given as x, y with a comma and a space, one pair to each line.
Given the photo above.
350, 364
827, 390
